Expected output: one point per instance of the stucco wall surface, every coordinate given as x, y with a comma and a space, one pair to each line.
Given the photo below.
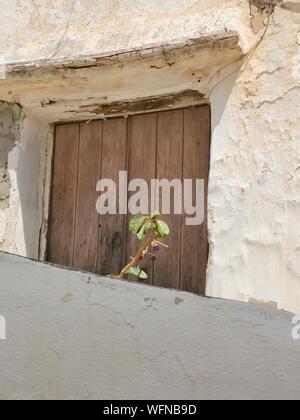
73, 335
70, 28
254, 194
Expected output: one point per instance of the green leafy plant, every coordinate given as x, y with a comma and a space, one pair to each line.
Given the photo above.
149, 229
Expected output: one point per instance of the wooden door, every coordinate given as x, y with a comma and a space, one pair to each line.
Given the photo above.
169, 144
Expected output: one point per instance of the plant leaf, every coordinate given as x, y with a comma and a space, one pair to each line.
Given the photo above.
141, 233
154, 214
162, 228
136, 271
148, 226
136, 223
142, 275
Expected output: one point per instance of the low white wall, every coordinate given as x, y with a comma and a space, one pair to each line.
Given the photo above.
73, 335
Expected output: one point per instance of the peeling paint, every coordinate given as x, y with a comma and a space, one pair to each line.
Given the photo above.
9, 137
134, 106
293, 6
254, 200
145, 74
166, 52
260, 11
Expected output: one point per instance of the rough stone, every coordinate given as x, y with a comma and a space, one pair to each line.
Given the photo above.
9, 134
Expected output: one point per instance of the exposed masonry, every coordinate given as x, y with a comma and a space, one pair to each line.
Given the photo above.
9, 136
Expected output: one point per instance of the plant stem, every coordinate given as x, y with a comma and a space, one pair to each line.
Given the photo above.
135, 260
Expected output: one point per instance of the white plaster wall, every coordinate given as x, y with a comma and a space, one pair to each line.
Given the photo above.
254, 195
76, 336
68, 28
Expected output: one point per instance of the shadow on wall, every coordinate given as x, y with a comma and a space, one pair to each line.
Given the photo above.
220, 95
22, 155
30, 179
219, 99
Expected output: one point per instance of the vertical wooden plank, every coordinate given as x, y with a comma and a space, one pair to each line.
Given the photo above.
112, 231
142, 155
64, 185
86, 224
169, 166
195, 165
